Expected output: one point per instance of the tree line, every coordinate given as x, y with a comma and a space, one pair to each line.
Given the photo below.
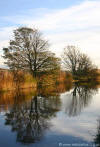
29, 51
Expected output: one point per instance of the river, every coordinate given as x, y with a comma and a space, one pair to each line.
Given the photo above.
51, 116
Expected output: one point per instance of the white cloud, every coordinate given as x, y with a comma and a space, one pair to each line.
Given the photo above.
5, 36
78, 25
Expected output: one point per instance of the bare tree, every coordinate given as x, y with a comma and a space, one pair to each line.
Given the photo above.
29, 51
71, 58
76, 62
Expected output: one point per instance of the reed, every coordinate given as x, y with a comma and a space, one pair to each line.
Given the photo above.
21, 80
10, 80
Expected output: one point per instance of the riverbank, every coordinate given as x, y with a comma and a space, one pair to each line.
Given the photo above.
10, 80
22, 80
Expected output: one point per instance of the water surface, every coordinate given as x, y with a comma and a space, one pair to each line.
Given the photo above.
51, 116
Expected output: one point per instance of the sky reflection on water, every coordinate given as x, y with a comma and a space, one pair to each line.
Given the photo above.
50, 116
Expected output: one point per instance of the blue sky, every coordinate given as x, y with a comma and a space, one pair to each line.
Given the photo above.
12, 7
62, 22
20, 7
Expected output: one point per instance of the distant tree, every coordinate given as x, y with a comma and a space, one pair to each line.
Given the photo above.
71, 58
77, 63
29, 51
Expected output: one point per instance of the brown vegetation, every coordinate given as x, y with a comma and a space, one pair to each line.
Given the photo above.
58, 77
17, 97
11, 80
20, 80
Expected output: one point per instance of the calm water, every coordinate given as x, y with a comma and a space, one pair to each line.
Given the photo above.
53, 117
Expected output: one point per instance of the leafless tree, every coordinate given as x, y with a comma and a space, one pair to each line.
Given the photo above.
76, 62
71, 58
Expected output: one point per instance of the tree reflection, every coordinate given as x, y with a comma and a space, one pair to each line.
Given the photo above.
97, 136
80, 97
30, 119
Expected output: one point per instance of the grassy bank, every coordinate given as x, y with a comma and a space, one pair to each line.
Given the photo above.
11, 80
20, 80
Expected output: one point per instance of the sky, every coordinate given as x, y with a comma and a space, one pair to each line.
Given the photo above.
62, 22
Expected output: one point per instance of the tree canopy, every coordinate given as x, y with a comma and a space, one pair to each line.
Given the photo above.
30, 51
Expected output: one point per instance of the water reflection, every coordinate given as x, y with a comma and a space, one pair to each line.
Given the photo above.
29, 112
30, 119
8, 99
97, 136
80, 97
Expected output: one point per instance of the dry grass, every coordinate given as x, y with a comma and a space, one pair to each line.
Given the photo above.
11, 81
22, 80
